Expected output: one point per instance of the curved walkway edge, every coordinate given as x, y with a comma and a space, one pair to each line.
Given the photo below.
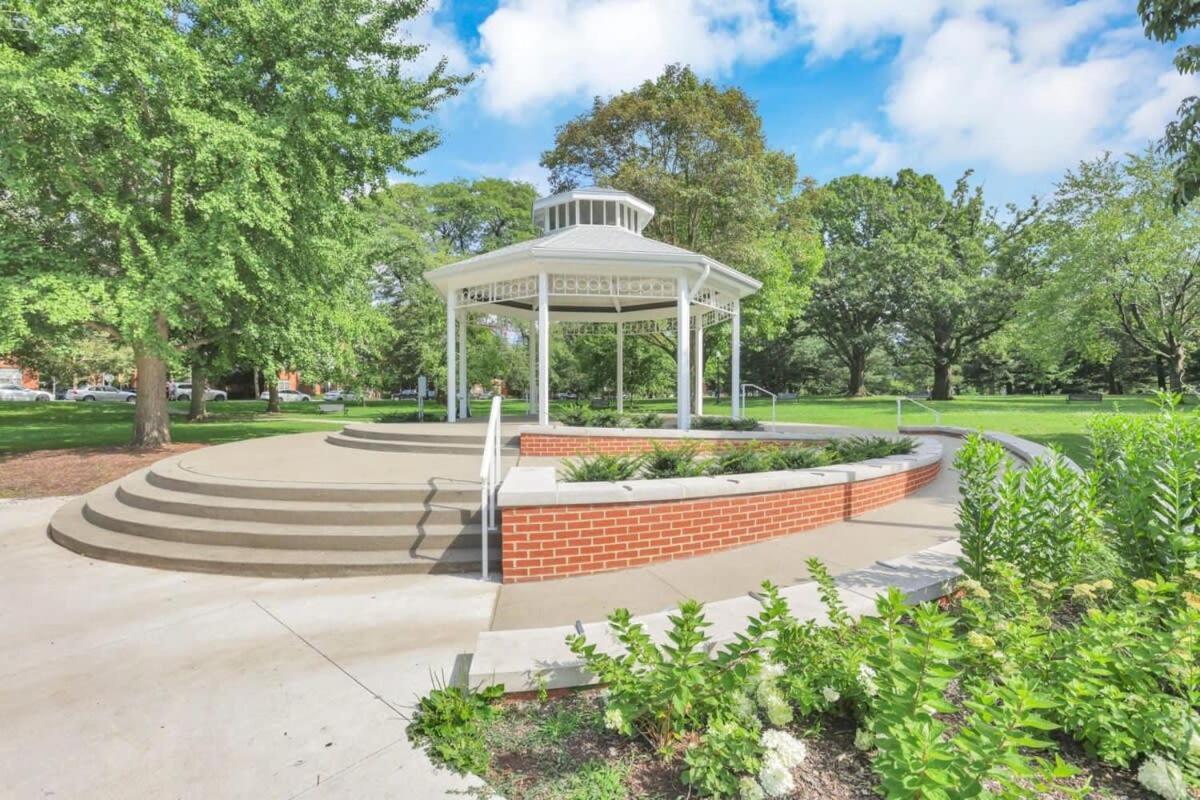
526, 659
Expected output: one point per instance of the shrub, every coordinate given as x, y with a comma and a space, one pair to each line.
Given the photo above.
740, 459
602, 467
672, 462
607, 418
650, 419
576, 415
864, 448
449, 721
798, 457
714, 423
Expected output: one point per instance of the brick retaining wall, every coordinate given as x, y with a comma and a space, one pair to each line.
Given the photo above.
541, 542
542, 444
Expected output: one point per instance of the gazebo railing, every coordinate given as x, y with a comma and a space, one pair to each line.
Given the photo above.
489, 481
774, 399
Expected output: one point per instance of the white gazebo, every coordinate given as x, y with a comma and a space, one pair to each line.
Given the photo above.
592, 271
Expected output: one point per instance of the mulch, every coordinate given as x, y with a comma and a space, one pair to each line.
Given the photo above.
50, 473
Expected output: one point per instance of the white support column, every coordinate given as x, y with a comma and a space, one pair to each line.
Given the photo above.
683, 357
620, 367
532, 390
543, 349
463, 389
451, 347
735, 368
698, 394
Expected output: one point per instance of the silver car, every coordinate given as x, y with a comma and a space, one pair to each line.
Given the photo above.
287, 396
101, 394
16, 392
183, 391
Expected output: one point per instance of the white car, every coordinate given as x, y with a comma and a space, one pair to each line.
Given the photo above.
340, 396
287, 396
102, 394
12, 391
183, 391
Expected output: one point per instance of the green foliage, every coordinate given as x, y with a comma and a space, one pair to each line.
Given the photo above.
978, 462
597, 780
601, 467
863, 448
1148, 480
1168, 21
715, 423
672, 461
740, 460
649, 420
607, 418
798, 457
450, 722
577, 415
727, 750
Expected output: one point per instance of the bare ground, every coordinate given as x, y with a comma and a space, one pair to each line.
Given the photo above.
49, 473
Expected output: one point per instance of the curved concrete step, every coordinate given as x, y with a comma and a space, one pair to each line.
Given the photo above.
69, 529
136, 492
105, 509
430, 448
384, 432
168, 474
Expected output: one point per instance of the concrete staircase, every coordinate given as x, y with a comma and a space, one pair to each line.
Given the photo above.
171, 517
403, 438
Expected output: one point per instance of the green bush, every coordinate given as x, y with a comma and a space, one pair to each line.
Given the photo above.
666, 461
602, 467
576, 415
607, 418
863, 448
715, 423
649, 420
798, 457
449, 721
740, 460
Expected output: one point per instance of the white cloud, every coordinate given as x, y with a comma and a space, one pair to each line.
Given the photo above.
539, 51
835, 27
1149, 120
529, 171
440, 39
869, 151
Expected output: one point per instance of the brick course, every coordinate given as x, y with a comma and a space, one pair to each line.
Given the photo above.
541, 542
544, 444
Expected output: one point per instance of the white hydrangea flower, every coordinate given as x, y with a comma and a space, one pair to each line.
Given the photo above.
1162, 777
770, 671
864, 740
790, 750
775, 778
866, 679
830, 694
743, 706
777, 709
748, 789
614, 720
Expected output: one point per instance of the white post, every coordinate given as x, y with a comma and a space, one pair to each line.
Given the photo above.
620, 367
735, 369
464, 389
698, 400
451, 347
683, 409
532, 344
543, 349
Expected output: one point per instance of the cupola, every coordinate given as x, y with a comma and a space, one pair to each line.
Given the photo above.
592, 206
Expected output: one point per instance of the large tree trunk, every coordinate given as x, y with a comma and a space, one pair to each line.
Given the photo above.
272, 395
257, 384
1160, 372
198, 410
151, 423
857, 386
1176, 367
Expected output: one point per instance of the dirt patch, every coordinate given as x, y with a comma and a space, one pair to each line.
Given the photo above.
47, 473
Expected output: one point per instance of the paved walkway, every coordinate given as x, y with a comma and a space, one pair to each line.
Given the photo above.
922, 519
126, 682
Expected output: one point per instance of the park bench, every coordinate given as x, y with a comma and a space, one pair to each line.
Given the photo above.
789, 396
919, 396
603, 402
1085, 397
332, 408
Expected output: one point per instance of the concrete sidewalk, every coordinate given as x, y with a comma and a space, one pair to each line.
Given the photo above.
923, 519
125, 682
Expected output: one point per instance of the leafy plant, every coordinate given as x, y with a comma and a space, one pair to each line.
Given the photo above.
740, 460
650, 419
863, 448
798, 457
728, 750
607, 418
715, 423
978, 462
576, 415
601, 467
598, 780
666, 461
449, 721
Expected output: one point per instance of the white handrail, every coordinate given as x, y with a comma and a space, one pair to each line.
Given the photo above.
774, 398
489, 480
937, 417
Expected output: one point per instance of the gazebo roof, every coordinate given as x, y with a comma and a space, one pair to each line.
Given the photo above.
597, 272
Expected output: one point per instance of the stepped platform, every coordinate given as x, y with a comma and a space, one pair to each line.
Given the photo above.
403, 498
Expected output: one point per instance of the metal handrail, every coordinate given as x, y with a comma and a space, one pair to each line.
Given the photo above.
937, 416
774, 398
489, 480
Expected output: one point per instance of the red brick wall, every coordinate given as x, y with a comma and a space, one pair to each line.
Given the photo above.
543, 444
541, 542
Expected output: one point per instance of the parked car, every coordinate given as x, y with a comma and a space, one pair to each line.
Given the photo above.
183, 391
340, 396
102, 394
287, 396
13, 391
404, 394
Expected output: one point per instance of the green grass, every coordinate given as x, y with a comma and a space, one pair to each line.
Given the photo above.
52, 426
1048, 420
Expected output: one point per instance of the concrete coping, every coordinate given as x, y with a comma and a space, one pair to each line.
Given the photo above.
1023, 449
540, 486
794, 433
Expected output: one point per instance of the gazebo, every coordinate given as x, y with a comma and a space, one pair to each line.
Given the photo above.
592, 271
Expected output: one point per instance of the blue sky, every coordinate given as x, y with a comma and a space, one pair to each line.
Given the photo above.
1018, 90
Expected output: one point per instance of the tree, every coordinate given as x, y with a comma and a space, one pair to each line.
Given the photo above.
169, 162
964, 272
1166, 21
698, 154
856, 297
1124, 259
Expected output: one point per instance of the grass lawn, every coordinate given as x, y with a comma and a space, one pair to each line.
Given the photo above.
1049, 420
